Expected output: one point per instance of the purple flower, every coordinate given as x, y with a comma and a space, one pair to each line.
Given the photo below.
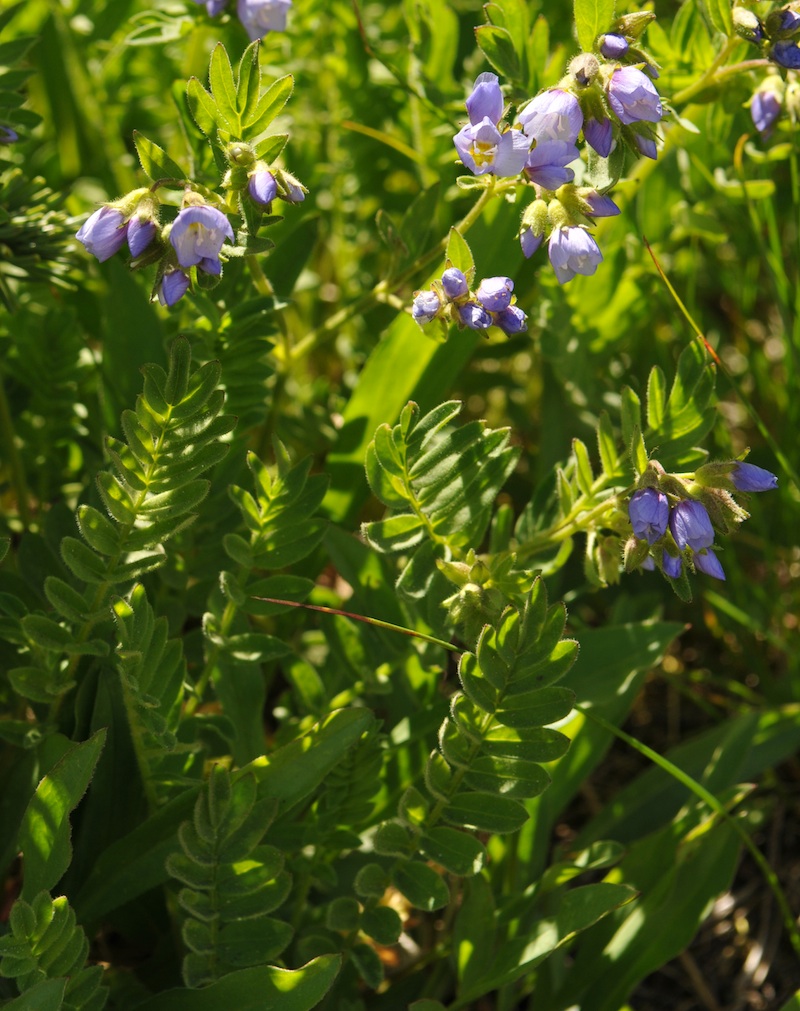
672, 566
454, 283
572, 251
425, 307
647, 563
748, 477
599, 134
530, 241
708, 562
691, 526
262, 187
103, 233
141, 232
482, 148
213, 6
633, 98
173, 287
7, 135
784, 21
546, 164
472, 315
494, 293
646, 145
613, 46
197, 237
262, 16
511, 320
486, 100
648, 510
553, 115
601, 205
787, 54
765, 108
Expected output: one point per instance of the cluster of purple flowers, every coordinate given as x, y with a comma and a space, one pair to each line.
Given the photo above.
451, 299
777, 35
605, 98
257, 16
194, 239
673, 529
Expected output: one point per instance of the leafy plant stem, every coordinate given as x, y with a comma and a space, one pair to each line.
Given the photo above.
708, 798
211, 661
12, 454
582, 515
382, 288
714, 74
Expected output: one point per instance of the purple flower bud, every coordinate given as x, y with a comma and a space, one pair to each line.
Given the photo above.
646, 145
530, 242
748, 477
572, 251
483, 149
7, 135
262, 16
647, 563
599, 134
691, 526
787, 54
633, 98
494, 293
648, 510
454, 283
553, 115
141, 232
425, 307
173, 287
672, 566
197, 236
472, 315
708, 562
546, 164
486, 100
512, 320
613, 46
262, 187
601, 205
765, 108
103, 233
785, 21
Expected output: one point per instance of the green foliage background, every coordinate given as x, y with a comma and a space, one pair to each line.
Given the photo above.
232, 802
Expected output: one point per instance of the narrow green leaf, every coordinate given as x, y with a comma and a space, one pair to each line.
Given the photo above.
583, 466
592, 18
460, 255
656, 398
202, 107
45, 832
48, 995
498, 47
155, 161
607, 445
719, 14
631, 414
398, 533
484, 812
223, 89
269, 105
98, 532
248, 83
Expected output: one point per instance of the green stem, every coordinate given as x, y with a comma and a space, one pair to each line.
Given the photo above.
713, 75
581, 517
9, 442
211, 662
718, 808
388, 285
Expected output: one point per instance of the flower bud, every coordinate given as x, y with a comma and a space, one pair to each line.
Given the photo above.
783, 24
584, 68
425, 307
648, 510
748, 477
747, 25
691, 526
612, 46
633, 25
454, 283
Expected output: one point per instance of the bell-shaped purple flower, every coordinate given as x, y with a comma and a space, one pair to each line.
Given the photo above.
572, 250
613, 47
671, 565
103, 234
599, 134
601, 205
7, 135
511, 320
474, 316
530, 241
484, 149
454, 283
785, 20
748, 477
261, 186
691, 525
486, 100
787, 54
707, 561
426, 307
648, 510
633, 98
141, 232
174, 285
765, 108
553, 115
262, 16
646, 145
546, 164
494, 293
197, 236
